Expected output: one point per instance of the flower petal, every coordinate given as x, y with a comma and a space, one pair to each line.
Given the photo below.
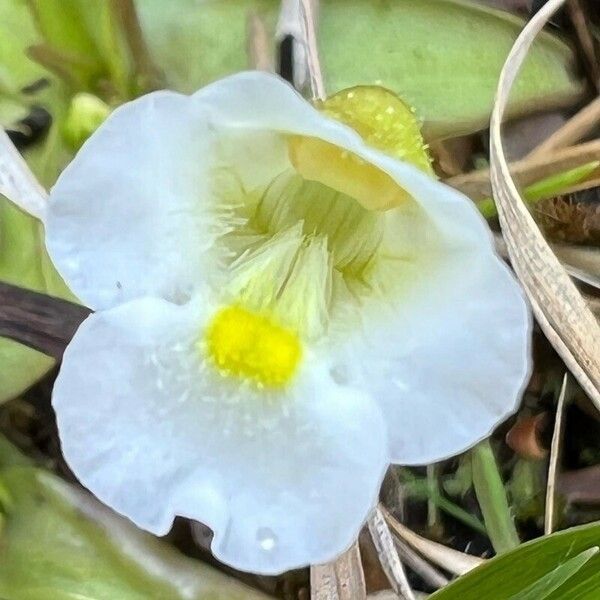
449, 356
271, 110
135, 214
284, 479
126, 217
449, 369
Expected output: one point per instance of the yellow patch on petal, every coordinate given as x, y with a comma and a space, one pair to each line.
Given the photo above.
250, 346
383, 121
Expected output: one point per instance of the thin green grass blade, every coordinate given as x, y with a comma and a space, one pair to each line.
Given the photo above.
543, 587
491, 495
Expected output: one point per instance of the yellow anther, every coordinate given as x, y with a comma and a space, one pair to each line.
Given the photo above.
249, 346
384, 122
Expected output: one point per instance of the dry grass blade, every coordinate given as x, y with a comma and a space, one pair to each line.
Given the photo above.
342, 579
526, 171
572, 131
554, 455
17, 182
449, 559
419, 565
388, 556
309, 10
558, 306
258, 43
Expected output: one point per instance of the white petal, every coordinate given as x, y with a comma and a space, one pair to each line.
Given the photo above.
127, 217
134, 213
449, 356
449, 369
283, 482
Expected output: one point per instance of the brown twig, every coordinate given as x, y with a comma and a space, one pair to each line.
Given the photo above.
42, 322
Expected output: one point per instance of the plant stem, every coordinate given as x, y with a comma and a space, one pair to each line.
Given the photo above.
492, 499
545, 188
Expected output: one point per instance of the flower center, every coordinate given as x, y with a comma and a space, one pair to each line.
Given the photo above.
252, 346
302, 247
385, 122
305, 251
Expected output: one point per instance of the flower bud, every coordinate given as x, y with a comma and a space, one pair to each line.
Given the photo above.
86, 113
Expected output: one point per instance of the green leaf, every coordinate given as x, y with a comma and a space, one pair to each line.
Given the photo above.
545, 559
59, 543
491, 496
442, 56
549, 583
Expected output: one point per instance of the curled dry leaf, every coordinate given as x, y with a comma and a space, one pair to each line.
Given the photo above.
557, 304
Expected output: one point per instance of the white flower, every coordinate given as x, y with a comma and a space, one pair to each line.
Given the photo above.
264, 345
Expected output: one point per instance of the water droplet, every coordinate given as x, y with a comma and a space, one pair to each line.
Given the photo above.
266, 538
